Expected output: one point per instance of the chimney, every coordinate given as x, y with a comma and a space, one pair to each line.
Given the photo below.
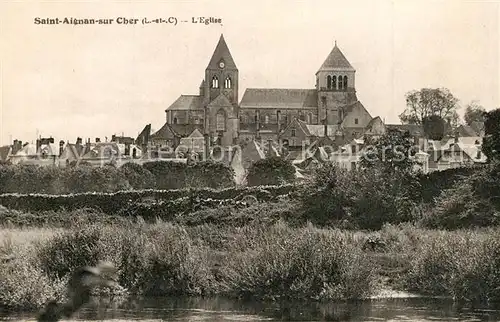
61, 147
270, 148
206, 151
16, 146
456, 136
278, 120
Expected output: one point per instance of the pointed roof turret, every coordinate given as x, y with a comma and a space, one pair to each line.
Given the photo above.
336, 61
221, 53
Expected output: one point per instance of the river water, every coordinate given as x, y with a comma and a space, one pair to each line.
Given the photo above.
217, 309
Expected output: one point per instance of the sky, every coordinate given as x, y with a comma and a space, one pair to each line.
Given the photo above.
93, 81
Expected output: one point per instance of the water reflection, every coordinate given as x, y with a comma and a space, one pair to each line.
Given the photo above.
219, 309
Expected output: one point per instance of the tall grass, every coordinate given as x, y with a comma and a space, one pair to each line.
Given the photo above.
461, 264
167, 259
258, 260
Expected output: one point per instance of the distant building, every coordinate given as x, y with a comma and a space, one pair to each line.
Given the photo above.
268, 113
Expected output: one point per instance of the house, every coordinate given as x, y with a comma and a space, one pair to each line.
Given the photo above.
44, 152
454, 152
348, 156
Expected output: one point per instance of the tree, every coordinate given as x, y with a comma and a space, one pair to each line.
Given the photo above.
392, 153
474, 113
491, 141
434, 127
427, 102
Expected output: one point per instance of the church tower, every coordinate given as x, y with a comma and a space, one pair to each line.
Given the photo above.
221, 95
336, 87
221, 74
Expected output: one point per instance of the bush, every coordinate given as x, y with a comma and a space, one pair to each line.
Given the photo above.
161, 260
473, 201
459, 208
435, 182
209, 174
138, 176
486, 184
463, 265
364, 199
324, 197
23, 285
95, 179
271, 171
168, 175
31, 179
304, 264
123, 201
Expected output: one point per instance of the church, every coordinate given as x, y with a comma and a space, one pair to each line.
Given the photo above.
329, 111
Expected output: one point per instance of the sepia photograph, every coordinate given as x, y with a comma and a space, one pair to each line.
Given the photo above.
212, 160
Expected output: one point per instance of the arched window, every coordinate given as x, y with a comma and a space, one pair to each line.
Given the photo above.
329, 82
266, 119
215, 82
334, 82
227, 82
221, 121
345, 82
175, 120
309, 118
340, 83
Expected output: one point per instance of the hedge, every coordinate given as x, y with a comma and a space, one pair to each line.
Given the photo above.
118, 202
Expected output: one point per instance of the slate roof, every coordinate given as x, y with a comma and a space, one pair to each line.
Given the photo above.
279, 98
170, 131
336, 61
221, 52
165, 132
186, 102
73, 151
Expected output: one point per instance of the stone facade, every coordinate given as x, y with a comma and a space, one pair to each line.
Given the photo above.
265, 113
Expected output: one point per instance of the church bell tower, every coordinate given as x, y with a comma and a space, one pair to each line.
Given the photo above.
336, 87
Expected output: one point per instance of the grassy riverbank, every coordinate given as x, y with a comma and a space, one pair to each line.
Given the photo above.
264, 259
